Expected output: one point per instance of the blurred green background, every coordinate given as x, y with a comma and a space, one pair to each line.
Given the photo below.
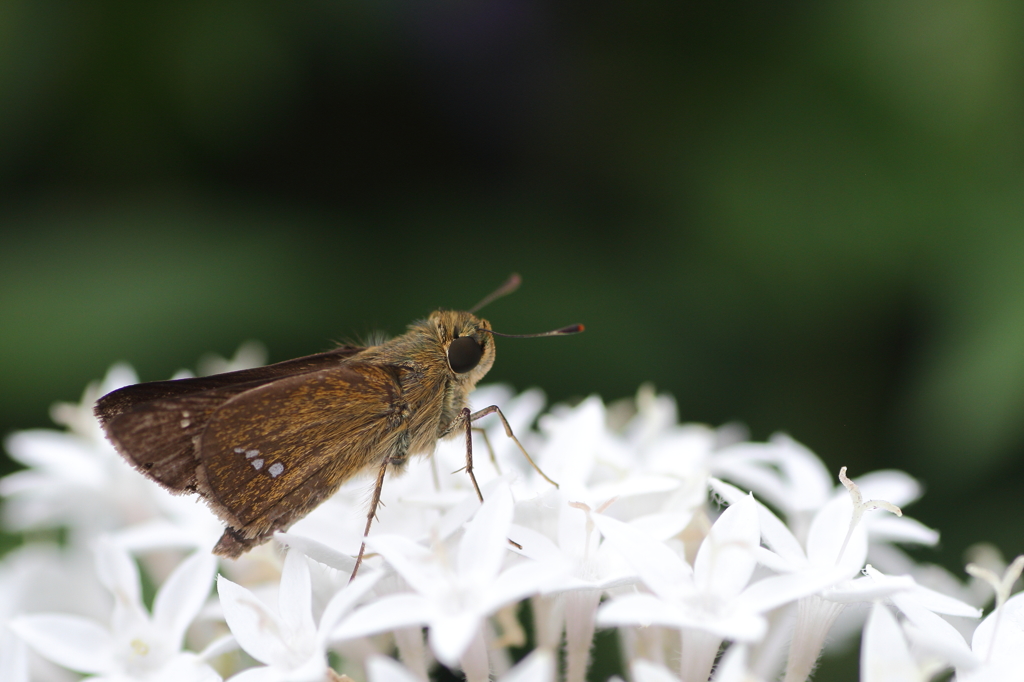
804, 216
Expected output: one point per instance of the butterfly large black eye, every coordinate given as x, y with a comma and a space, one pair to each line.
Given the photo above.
464, 354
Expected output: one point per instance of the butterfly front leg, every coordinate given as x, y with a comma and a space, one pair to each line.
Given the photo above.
465, 420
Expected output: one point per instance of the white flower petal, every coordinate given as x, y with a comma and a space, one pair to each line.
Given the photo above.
407, 558
897, 487
726, 559
867, 590
782, 472
539, 666
884, 655
218, 647
640, 609
733, 666
663, 526
384, 669
522, 580
388, 613
535, 545
935, 602
772, 592
261, 674
450, 636
1007, 641
828, 532
294, 600
484, 546
889, 528
71, 641
183, 594
185, 667
13, 657
772, 561
574, 438
118, 572
258, 630
645, 671
52, 451
805, 471
342, 602
317, 551
773, 531
572, 528
119, 375
657, 565
934, 634
646, 609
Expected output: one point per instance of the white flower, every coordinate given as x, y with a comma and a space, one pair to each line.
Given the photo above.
136, 646
585, 567
836, 549
701, 601
43, 577
289, 643
997, 648
788, 476
75, 478
631, 520
453, 600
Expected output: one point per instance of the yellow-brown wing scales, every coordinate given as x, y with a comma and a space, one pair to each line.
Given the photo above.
270, 455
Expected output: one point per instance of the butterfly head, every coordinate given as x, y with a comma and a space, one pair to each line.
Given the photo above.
468, 346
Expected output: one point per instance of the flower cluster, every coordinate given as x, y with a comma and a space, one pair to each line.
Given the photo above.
711, 557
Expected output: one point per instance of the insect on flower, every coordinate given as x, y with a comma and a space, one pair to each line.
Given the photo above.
265, 446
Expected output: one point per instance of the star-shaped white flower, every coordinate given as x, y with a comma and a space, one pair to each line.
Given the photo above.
586, 567
75, 478
451, 599
703, 601
791, 478
996, 652
287, 641
137, 645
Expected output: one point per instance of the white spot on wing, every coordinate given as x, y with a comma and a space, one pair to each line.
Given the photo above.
249, 454
276, 469
185, 423
239, 450
257, 464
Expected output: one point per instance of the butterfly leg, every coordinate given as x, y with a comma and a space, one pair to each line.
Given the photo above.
494, 409
490, 448
467, 418
374, 503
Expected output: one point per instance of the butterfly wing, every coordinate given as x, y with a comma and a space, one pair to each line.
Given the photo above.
271, 454
155, 425
124, 399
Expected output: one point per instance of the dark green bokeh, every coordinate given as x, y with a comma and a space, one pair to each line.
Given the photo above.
802, 216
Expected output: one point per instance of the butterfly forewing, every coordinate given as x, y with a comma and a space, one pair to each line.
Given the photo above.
155, 425
271, 454
130, 397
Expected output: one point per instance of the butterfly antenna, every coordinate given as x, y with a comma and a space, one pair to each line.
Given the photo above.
508, 287
571, 329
